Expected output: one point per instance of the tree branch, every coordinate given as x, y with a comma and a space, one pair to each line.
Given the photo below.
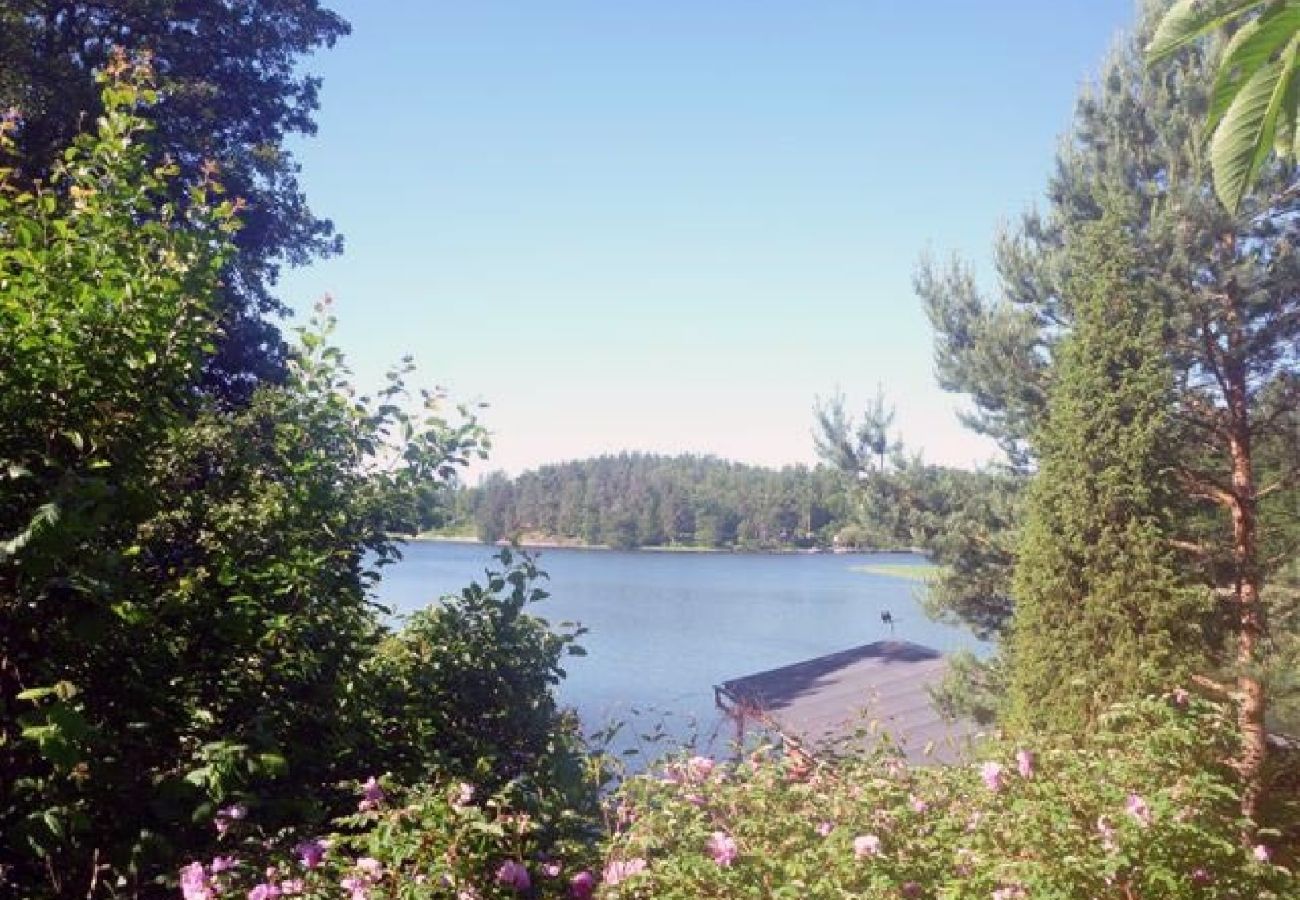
1199, 484
1193, 547
1218, 689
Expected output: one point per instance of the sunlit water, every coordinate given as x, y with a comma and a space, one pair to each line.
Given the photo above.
664, 628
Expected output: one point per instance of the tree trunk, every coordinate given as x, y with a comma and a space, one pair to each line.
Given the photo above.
1249, 614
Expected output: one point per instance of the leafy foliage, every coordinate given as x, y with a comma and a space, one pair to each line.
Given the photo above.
854, 446
1254, 106
1142, 807
231, 90
442, 839
465, 686
185, 587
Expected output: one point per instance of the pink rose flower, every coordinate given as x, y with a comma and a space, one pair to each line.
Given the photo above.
371, 795
1107, 832
582, 886
1025, 763
619, 870
722, 847
357, 888
866, 845
195, 884
311, 852
514, 875
229, 816
991, 772
1261, 853
1136, 807
698, 768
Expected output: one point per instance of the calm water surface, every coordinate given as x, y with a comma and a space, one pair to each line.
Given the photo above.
665, 627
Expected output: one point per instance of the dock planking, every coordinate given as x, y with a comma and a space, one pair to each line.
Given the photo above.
828, 703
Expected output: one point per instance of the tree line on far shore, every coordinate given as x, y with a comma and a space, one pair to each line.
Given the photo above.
648, 500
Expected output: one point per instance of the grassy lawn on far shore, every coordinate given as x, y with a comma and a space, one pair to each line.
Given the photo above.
924, 572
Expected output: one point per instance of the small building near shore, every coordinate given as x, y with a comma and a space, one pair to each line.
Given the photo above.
847, 700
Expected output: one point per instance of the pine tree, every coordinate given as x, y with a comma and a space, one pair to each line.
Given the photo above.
1231, 285
1101, 613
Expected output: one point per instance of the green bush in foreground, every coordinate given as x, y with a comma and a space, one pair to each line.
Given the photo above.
442, 839
187, 620
1142, 808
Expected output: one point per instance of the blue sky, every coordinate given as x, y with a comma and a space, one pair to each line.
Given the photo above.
670, 225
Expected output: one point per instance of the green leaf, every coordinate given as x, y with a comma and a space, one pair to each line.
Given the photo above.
1188, 20
272, 764
1284, 140
1253, 46
34, 694
1244, 137
53, 823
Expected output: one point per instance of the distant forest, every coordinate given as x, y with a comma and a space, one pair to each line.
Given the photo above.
646, 500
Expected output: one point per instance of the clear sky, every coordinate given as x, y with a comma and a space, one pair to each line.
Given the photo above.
670, 225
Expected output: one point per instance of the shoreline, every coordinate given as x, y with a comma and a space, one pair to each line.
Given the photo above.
542, 544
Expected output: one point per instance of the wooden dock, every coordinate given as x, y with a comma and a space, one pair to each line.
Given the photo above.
846, 700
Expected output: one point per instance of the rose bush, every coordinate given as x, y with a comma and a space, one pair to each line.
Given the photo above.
1146, 807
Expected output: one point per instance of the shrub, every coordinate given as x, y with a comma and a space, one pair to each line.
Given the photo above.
184, 587
465, 688
443, 839
1145, 807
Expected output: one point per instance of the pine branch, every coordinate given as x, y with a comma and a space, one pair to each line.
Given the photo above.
1203, 486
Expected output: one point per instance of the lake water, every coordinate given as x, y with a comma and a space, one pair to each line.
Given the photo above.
664, 628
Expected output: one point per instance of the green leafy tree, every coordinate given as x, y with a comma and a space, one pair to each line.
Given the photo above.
1101, 614
620, 531
231, 91
93, 260
184, 587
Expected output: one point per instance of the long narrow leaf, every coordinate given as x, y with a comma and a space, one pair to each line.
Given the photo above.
1284, 138
1188, 20
1294, 113
1255, 44
1244, 137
